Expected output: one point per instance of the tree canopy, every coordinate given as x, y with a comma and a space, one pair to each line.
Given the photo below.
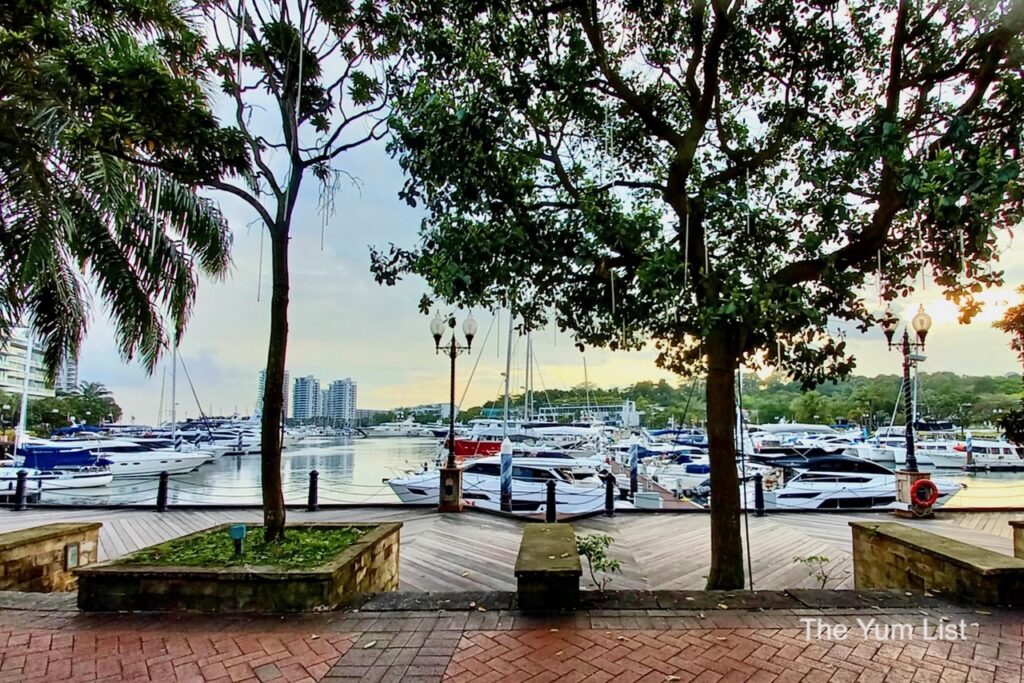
723, 179
751, 167
96, 96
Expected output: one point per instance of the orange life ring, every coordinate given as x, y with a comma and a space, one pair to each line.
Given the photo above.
924, 493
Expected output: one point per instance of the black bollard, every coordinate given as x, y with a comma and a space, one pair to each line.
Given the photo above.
758, 496
313, 504
551, 514
609, 495
20, 491
161, 493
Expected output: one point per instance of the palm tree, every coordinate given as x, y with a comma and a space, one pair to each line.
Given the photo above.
93, 390
104, 129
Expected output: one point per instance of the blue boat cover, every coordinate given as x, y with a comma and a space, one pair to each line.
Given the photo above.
43, 458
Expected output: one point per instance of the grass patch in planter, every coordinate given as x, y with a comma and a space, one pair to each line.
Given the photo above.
303, 548
321, 565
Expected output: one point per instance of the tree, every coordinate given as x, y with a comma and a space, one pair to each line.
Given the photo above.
96, 97
1013, 324
721, 179
93, 390
316, 68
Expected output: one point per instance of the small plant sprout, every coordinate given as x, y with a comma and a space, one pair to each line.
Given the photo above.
817, 568
594, 547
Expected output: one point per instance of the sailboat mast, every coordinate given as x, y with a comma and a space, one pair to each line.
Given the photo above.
174, 387
508, 372
528, 408
586, 385
160, 410
23, 416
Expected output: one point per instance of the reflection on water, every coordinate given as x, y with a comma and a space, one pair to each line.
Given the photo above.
351, 471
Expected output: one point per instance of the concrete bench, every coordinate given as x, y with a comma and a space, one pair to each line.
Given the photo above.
548, 569
889, 555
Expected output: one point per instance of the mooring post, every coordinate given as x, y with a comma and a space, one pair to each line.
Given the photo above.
609, 495
313, 504
758, 495
161, 492
551, 514
21, 490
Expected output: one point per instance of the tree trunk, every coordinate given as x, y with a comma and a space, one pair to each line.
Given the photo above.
272, 423
726, 571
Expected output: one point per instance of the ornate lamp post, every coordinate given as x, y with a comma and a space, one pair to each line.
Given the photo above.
921, 323
451, 475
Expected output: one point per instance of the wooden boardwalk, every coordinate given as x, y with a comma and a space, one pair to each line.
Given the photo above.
475, 551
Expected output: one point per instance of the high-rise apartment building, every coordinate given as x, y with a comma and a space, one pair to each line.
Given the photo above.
67, 377
12, 366
284, 393
341, 401
306, 398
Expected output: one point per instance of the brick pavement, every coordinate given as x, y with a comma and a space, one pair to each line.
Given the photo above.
482, 640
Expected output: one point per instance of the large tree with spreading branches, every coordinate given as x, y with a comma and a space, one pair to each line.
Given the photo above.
307, 80
727, 180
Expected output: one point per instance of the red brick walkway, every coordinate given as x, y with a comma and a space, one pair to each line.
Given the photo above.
729, 655
724, 646
118, 655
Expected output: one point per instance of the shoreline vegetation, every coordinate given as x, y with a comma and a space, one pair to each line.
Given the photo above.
974, 400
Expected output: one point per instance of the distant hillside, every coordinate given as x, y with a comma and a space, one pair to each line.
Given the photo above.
944, 395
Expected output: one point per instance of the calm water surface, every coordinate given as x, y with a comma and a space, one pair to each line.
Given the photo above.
353, 470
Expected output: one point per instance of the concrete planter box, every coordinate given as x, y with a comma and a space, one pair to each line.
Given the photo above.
41, 559
887, 555
368, 566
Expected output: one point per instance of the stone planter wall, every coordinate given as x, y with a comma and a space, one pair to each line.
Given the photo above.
889, 555
37, 559
368, 566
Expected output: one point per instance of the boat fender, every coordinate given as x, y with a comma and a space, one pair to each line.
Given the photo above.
924, 493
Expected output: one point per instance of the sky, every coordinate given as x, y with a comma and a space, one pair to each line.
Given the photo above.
343, 324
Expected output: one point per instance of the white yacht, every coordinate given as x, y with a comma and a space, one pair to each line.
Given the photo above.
578, 488
49, 480
129, 459
407, 427
833, 482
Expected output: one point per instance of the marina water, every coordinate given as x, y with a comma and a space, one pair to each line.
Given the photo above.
354, 471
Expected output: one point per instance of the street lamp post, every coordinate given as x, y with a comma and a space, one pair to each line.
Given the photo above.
964, 412
921, 323
451, 475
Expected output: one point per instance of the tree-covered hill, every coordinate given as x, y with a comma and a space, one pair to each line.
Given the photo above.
943, 395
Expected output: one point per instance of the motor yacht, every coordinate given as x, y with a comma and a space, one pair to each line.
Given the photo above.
835, 482
578, 487
50, 480
127, 458
406, 428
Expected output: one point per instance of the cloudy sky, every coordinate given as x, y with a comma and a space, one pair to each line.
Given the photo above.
345, 325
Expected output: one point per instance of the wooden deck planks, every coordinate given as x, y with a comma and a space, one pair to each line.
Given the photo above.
475, 551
